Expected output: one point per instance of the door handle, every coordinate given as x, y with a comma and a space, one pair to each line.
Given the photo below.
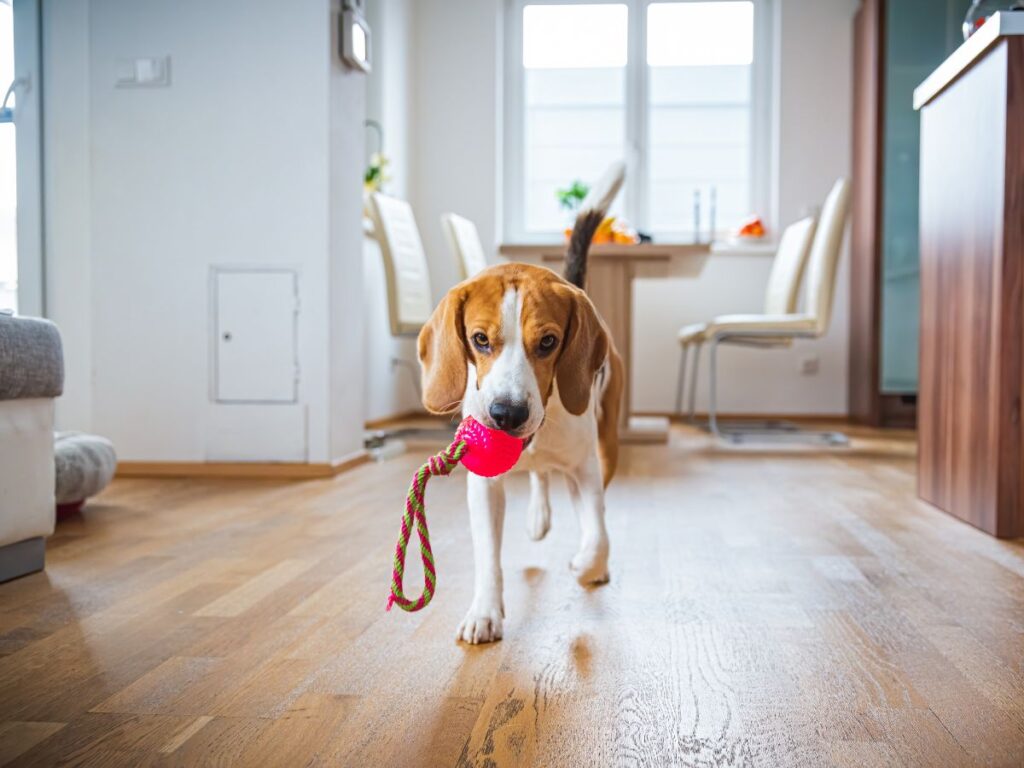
7, 113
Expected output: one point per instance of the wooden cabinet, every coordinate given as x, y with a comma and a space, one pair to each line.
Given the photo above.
972, 280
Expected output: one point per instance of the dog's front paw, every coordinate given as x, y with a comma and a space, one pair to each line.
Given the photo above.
590, 567
481, 626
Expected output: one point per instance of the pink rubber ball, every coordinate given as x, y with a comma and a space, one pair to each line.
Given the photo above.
489, 452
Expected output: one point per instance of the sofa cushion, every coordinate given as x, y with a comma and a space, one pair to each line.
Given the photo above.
31, 361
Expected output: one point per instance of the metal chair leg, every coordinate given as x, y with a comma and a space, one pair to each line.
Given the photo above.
739, 433
682, 380
693, 383
713, 386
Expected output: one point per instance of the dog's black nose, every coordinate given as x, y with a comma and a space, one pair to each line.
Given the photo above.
508, 416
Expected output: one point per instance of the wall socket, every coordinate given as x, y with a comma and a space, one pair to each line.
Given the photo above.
143, 73
810, 365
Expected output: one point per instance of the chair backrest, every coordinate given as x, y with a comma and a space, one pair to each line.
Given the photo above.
788, 268
824, 259
405, 264
465, 244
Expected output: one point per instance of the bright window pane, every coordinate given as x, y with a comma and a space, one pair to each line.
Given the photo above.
574, 36
8, 189
700, 56
700, 34
575, 119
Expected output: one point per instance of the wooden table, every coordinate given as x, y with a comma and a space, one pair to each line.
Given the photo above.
610, 275
971, 440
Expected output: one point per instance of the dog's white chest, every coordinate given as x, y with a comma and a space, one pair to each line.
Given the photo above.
564, 442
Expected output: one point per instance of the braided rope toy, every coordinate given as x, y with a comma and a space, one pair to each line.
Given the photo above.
482, 451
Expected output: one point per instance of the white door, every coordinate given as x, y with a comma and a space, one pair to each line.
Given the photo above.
255, 333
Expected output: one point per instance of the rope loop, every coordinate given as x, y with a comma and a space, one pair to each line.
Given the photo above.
440, 464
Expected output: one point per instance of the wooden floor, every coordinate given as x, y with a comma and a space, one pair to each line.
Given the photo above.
766, 608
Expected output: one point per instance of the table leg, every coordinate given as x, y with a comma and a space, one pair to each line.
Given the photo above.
610, 287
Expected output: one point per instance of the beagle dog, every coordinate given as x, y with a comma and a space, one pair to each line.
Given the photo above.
521, 349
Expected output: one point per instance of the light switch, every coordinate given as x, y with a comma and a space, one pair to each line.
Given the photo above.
152, 72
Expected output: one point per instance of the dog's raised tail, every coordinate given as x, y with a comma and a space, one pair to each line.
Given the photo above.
586, 225
592, 213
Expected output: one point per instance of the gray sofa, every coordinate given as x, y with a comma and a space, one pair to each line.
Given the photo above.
31, 376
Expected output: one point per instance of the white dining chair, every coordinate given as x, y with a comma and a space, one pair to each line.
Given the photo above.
407, 274
405, 264
781, 298
464, 241
774, 329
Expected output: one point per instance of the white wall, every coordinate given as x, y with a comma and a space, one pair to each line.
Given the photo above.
457, 128
68, 221
436, 88
147, 188
236, 163
343, 209
390, 390
389, 87
458, 124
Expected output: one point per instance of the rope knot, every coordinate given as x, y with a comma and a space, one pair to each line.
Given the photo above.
443, 463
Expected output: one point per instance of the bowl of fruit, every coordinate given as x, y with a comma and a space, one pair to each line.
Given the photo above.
751, 231
612, 230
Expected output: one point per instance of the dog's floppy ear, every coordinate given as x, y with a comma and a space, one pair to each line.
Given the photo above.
583, 353
442, 354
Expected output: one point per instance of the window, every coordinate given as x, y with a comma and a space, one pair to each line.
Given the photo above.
677, 89
574, 94
8, 186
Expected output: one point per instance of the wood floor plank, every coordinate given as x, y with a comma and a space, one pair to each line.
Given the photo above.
186, 733
103, 740
878, 680
223, 741
150, 693
791, 607
918, 737
302, 734
864, 754
1000, 685
254, 590
18, 738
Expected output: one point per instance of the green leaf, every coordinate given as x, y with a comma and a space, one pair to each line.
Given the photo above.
571, 197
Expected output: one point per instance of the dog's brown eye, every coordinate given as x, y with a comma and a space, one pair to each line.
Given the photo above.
480, 342
548, 343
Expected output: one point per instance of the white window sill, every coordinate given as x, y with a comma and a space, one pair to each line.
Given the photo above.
734, 248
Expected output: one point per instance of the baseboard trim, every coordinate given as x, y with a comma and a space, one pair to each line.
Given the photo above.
351, 461
676, 418
241, 469
22, 558
396, 419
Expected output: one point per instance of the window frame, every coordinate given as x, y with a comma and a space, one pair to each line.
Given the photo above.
29, 186
763, 128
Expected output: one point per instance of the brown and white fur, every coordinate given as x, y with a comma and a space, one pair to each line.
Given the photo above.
520, 348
